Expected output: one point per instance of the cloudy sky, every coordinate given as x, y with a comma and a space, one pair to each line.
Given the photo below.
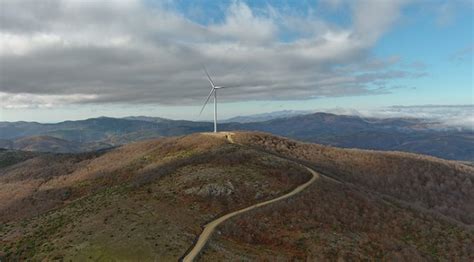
74, 59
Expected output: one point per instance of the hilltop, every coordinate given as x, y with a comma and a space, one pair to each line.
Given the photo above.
148, 200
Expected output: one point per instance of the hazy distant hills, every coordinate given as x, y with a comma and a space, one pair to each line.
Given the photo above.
43, 144
147, 118
101, 129
266, 116
148, 201
51, 144
400, 134
82, 131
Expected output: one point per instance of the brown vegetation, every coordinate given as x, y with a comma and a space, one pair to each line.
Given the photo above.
150, 197
148, 200
332, 221
427, 182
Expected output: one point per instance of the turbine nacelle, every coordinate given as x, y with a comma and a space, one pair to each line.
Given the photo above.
212, 92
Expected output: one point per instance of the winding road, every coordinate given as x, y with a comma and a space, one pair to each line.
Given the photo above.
210, 227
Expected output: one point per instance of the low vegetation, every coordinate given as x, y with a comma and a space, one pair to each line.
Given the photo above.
11, 157
445, 187
139, 202
148, 201
332, 222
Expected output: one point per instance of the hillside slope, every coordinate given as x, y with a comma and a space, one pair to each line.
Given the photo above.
141, 201
52, 144
354, 214
427, 182
148, 201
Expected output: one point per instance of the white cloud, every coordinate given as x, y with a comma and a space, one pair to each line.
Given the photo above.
24, 100
243, 26
23, 44
128, 52
438, 116
372, 18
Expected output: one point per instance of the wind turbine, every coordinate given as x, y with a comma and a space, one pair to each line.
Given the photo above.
214, 89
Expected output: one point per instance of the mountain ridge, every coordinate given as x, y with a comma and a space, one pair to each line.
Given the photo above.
411, 135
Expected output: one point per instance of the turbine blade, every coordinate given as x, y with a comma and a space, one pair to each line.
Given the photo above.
207, 100
208, 77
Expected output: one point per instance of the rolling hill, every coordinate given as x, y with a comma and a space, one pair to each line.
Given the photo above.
52, 144
400, 134
409, 135
148, 201
266, 116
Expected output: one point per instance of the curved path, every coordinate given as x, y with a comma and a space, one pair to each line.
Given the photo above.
210, 227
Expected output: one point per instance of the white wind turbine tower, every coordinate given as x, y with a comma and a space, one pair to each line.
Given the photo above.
213, 91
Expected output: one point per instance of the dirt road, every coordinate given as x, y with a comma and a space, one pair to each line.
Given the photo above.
210, 227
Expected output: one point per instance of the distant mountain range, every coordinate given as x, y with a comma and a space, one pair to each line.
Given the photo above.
394, 134
266, 116
52, 144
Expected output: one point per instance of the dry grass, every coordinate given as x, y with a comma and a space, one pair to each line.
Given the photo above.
332, 222
139, 202
147, 201
439, 185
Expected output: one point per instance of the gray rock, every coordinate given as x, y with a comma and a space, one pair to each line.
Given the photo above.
212, 189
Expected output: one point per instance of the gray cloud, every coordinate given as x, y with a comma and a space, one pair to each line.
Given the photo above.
123, 51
